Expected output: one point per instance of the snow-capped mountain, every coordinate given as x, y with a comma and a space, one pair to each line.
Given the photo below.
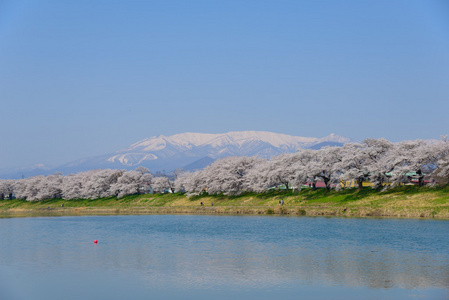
192, 151
241, 140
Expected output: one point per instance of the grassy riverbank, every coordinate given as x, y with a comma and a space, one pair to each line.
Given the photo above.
407, 201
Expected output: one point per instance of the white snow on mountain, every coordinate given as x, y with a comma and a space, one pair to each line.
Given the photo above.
185, 141
176, 151
131, 159
195, 150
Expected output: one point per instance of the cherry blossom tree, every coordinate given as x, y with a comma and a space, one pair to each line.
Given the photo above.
361, 162
163, 183
230, 175
410, 158
301, 162
353, 164
181, 181
325, 165
274, 172
98, 183
378, 152
72, 186
193, 183
28, 188
285, 169
49, 187
131, 183
6, 189
441, 151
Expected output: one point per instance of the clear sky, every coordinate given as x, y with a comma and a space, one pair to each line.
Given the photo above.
85, 77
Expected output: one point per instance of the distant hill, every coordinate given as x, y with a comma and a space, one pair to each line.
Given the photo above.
199, 164
192, 151
325, 144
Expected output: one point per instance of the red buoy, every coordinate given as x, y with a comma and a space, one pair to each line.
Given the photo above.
95, 241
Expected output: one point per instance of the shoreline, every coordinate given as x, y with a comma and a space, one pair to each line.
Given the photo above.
217, 210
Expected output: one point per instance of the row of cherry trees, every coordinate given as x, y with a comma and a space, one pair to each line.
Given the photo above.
86, 185
376, 160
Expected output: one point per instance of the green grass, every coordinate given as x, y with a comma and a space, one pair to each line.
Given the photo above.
399, 201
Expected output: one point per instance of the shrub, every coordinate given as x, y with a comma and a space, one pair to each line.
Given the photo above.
301, 212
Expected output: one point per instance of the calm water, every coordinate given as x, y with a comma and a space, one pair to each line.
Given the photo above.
222, 257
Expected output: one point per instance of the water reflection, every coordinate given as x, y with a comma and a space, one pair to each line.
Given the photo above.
231, 253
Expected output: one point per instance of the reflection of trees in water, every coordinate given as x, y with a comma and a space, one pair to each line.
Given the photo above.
180, 258
212, 263
244, 264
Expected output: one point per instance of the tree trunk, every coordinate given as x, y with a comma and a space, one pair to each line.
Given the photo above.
360, 183
420, 178
326, 182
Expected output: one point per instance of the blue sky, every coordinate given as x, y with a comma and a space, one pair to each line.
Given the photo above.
82, 78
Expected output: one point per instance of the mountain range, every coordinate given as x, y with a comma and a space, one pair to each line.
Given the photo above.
191, 151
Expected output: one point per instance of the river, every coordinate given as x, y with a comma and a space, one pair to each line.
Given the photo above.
223, 257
